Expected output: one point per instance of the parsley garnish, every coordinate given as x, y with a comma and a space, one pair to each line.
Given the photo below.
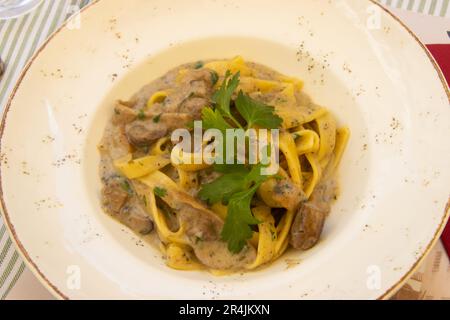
236, 187
238, 183
257, 113
254, 112
222, 188
236, 230
236, 178
190, 124
213, 119
160, 192
230, 168
222, 97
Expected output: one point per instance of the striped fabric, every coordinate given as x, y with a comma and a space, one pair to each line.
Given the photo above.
19, 39
439, 8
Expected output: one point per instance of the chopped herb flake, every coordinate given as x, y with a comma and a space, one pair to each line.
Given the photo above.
157, 118
198, 65
126, 186
160, 192
214, 77
141, 114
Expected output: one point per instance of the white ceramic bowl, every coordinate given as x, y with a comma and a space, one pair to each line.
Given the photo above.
377, 79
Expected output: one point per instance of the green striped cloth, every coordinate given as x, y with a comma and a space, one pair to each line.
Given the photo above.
19, 39
439, 8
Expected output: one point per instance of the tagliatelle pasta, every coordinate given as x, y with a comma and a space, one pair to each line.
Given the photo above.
267, 236
157, 97
234, 65
135, 168
289, 149
190, 205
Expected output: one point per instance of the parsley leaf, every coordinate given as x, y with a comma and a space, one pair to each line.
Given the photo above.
230, 168
255, 176
236, 178
160, 192
238, 182
236, 187
222, 97
213, 119
236, 230
257, 113
222, 188
190, 124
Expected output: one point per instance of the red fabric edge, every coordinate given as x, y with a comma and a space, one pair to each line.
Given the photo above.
441, 53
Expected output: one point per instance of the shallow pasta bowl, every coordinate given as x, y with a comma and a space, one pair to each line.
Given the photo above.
355, 59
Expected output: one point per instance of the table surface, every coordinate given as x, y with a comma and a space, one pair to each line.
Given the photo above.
19, 38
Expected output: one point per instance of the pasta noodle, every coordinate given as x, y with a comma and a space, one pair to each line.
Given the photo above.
267, 236
158, 147
235, 65
289, 149
157, 97
135, 168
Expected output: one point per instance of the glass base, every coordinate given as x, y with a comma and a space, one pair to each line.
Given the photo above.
11, 9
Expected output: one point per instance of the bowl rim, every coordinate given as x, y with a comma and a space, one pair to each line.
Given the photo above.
57, 293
